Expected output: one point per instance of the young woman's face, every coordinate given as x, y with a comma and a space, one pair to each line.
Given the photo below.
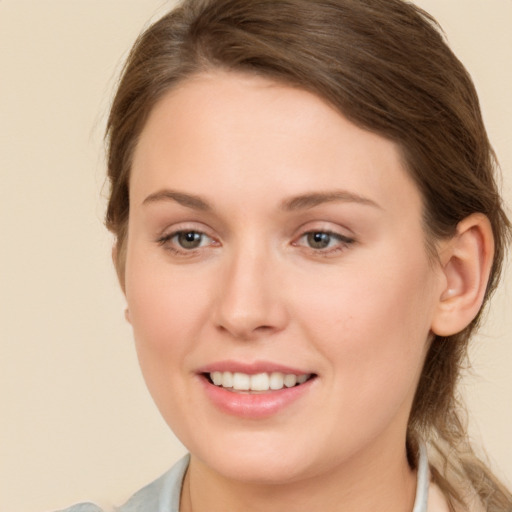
272, 241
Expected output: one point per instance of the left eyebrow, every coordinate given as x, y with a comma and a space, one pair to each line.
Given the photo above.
306, 201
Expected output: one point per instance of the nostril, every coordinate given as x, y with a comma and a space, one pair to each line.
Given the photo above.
263, 328
244, 331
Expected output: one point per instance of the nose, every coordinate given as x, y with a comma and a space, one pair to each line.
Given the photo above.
250, 296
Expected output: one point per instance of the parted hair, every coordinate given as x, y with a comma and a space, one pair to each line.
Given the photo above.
385, 66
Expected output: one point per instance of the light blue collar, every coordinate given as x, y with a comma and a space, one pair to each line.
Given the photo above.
423, 481
163, 495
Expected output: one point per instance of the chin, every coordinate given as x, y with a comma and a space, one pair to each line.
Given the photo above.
257, 461
255, 470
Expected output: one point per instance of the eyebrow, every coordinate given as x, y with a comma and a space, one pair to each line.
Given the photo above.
306, 201
188, 200
300, 202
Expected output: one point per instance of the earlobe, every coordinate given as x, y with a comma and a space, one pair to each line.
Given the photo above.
466, 262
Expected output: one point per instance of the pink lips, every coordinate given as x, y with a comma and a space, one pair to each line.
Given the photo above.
249, 368
252, 405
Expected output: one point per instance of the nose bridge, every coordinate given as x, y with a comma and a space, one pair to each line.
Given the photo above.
249, 298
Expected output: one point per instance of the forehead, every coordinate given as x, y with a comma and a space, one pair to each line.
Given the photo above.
229, 129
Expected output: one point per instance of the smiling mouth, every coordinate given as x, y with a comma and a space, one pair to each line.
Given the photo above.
257, 383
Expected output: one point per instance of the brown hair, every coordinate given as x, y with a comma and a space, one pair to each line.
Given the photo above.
385, 66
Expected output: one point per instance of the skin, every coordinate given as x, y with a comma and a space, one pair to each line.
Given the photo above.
358, 313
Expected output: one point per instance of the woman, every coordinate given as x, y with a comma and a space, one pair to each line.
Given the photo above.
307, 229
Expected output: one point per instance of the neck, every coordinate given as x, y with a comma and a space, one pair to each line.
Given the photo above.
379, 481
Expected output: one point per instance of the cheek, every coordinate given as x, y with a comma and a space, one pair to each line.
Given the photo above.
373, 326
162, 300
381, 298
167, 315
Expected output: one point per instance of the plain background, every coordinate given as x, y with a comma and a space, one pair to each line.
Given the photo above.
76, 421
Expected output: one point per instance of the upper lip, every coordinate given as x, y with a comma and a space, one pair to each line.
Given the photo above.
251, 368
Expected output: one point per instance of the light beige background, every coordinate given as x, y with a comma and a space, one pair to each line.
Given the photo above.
75, 419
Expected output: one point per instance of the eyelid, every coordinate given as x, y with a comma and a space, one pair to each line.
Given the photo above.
343, 241
324, 226
184, 226
175, 234
166, 238
334, 234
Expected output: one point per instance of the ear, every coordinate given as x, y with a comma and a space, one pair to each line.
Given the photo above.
118, 259
120, 275
466, 261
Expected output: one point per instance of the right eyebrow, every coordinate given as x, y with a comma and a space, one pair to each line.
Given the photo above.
188, 200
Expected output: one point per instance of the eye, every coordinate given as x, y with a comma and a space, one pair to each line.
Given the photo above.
324, 241
319, 240
189, 239
185, 241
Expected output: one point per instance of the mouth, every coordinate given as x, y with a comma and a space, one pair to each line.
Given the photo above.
264, 382
257, 390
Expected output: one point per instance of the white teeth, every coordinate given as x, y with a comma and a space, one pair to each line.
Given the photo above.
302, 378
258, 382
227, 380
276, 380
290, 380
241, 381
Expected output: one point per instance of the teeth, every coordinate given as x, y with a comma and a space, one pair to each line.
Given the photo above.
302, 378
227, 380
241, 381
276, 380
290, 380
259, 382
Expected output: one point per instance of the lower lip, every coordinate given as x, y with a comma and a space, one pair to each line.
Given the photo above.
254, 405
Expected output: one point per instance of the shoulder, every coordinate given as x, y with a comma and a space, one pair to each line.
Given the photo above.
162, 495
83, 507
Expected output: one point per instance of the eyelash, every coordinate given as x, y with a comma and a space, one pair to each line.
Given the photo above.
342, 242
167, 242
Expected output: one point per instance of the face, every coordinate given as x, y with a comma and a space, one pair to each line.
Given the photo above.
277, 280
